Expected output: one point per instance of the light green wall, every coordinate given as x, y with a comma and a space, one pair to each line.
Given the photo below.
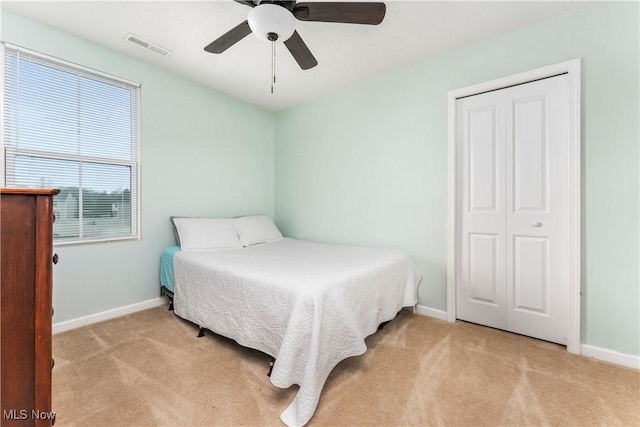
368, 165
199, 156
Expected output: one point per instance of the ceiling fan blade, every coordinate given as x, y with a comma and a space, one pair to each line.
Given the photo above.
348, 12
246, 2
300, 52
229, 38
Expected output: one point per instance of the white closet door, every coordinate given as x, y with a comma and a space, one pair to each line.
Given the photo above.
514, 239
538, 209
482, 213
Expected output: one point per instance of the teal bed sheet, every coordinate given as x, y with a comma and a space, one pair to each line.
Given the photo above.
166, 267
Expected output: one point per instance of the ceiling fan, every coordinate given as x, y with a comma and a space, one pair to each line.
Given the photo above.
275, 20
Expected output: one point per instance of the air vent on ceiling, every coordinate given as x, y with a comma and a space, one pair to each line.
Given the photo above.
147, 45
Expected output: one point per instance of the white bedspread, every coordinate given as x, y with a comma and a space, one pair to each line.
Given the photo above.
309, 305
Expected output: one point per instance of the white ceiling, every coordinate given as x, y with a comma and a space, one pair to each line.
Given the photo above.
411, 32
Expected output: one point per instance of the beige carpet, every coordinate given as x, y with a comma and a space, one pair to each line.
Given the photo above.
149, 368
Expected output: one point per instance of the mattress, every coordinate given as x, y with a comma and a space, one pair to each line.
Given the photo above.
166, 267
307, 304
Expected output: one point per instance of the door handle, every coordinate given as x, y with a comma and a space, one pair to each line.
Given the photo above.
536, 224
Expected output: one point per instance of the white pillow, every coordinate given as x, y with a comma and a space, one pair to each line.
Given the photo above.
200, 234
256, 229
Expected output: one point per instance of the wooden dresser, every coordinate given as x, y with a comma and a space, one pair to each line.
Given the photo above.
26, 233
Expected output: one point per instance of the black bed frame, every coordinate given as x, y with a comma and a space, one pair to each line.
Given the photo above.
165, 291
169, 294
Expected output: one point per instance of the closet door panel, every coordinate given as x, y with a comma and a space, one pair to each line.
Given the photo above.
481, 296
537, 255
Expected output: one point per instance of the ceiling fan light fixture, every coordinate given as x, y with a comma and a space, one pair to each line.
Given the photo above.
265, 20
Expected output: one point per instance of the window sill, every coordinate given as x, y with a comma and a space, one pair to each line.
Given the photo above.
96, 241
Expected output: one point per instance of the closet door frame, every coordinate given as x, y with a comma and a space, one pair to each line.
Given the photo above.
572, 68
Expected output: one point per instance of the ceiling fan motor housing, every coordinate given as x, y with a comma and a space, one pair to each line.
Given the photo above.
271, 22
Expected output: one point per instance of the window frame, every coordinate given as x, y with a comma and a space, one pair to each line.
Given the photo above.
9, 153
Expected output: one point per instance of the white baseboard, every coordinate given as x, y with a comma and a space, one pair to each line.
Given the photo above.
431, 312
106, 315
610, 356
599, 353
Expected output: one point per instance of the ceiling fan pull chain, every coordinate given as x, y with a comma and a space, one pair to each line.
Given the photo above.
273, 64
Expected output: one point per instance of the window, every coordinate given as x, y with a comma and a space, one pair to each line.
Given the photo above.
76, 129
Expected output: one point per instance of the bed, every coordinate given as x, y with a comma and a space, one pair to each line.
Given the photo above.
309, 305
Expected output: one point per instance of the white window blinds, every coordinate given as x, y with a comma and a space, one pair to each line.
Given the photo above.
76, 129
